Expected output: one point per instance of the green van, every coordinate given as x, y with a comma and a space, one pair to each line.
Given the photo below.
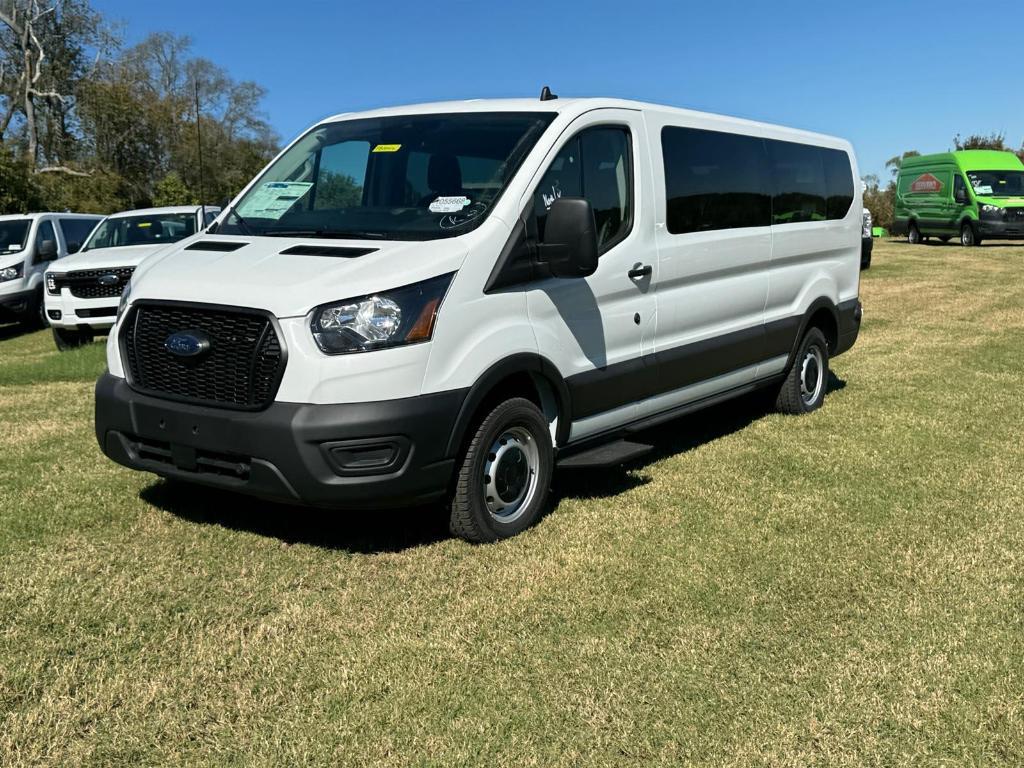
975, 195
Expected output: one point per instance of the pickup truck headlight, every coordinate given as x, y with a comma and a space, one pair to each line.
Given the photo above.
11, 273
387, 319
122, 305
51, 284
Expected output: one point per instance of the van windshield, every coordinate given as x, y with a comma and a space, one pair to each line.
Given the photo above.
150, 229
413, 177
997, 183
13, 235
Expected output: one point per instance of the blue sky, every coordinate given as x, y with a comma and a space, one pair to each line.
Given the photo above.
858, 70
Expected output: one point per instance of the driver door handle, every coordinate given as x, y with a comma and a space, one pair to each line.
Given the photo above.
638, 272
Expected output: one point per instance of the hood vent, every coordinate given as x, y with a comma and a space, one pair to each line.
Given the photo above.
328, 250
221, 246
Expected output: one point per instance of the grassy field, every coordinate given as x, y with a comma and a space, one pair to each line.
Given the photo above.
840, 589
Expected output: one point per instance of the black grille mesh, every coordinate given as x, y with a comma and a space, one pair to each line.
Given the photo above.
241, 369
84, 283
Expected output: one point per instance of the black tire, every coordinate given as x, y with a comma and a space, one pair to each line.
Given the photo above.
968, 235
865, 263
35, 314
70, 338
914, 234
806, 382
526, 458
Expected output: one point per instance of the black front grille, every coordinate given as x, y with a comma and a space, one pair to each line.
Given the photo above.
241, 368
95, 283
1015, 214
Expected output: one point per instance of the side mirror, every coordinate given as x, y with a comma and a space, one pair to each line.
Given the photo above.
961, 197
47, 250
74, 247
570, 238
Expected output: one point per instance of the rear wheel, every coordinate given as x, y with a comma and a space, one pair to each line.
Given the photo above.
806, 380
914, 235
505, 473
70, 338
968, 237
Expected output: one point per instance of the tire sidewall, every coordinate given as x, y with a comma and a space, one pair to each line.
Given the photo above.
968, 238
512, 413
813, 338
914, 235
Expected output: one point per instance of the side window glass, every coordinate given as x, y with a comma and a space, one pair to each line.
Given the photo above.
341, 175
838, 183
714, 180
594, 165
76, 230
44, 232
959, 188
800, 192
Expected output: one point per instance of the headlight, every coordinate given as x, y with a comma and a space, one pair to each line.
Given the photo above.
51, 284
866, 226
123, 304
11, 273
388, 319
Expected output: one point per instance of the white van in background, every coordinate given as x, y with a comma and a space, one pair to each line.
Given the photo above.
446, 301
28, 243
82, 292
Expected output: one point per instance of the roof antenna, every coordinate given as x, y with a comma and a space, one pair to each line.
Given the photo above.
199, 146
546, 94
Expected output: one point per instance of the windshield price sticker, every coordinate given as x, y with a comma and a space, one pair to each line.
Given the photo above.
983, 189
273, 199
449, 204
387, 148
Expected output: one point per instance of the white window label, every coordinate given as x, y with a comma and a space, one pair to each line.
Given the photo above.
449, 204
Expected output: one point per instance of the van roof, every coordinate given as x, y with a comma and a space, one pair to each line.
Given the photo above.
571, 106
35, 214
968, 160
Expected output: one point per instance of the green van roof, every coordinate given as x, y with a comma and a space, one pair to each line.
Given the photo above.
968, 160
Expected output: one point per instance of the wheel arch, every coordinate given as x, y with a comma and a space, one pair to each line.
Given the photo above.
524, 375
821, 313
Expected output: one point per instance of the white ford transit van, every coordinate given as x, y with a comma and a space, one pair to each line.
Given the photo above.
82, 292
28, 243
449, 300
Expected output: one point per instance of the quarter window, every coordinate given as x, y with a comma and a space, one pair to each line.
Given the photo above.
714, 180
800, 189
838, 183
595, 165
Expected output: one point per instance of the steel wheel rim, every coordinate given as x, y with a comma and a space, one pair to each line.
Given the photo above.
812, 375
966, 236
510, 474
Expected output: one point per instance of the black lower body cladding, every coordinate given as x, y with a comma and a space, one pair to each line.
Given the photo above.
16, 306
1000, 230
358, 455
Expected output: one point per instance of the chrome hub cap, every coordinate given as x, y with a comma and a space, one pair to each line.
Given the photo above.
812, 379
510, 474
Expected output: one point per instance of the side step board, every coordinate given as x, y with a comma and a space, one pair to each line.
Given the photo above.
606, 455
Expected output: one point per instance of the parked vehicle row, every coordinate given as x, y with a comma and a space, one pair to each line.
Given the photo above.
447, 300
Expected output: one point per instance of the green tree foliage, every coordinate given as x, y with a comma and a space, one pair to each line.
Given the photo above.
18, 191
880, 201
995, 141
105, 128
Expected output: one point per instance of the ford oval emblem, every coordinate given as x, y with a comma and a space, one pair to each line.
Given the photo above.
108, 279
187, 343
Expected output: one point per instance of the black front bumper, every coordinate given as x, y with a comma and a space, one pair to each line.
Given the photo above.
1000, 230
16, 306
359, 456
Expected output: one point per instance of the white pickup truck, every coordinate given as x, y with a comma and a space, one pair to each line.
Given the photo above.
82, 292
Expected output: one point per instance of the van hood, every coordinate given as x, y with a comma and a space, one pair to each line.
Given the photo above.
258, 275
108, 258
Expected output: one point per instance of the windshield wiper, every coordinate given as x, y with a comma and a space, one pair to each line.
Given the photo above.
352, 234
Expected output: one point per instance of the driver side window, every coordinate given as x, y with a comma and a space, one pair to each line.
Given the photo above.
595, 165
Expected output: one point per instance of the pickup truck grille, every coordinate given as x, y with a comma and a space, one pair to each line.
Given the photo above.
241, 368
96, 283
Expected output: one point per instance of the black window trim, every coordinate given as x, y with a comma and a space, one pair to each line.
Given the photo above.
631, 176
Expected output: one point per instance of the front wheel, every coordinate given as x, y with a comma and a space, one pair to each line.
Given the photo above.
914, 234
70, 338
505, 473
806, 380
968, 237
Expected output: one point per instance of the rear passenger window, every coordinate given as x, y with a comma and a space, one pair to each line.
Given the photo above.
838, 183
714, 180
800, 190
594, 165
